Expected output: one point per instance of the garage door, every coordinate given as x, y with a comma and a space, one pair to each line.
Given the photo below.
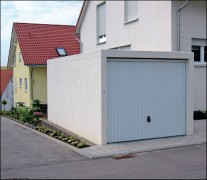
146, 99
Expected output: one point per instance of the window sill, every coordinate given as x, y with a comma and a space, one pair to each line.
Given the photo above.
131, 21
101, 43
200, 64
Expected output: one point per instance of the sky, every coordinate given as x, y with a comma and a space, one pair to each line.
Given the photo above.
43, 12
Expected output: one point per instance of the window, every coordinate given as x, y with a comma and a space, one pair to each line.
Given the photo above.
20, 82
123, 48
200, 50
130, 11
101, 23
20, 56
25, 81
61, 51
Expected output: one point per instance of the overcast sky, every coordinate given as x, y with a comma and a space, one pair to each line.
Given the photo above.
47, 12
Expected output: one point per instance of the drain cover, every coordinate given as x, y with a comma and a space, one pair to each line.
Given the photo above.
123, 156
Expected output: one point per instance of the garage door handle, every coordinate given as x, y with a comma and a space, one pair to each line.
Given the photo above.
148, 119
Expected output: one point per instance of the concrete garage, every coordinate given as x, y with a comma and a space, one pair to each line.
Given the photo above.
114, 96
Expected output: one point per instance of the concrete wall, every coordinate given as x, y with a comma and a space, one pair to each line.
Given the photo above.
8, 96
152, 30
200, 88
74, 94
40, 84
77, 90
193, 25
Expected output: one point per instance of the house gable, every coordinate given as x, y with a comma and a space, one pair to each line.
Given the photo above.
151, 31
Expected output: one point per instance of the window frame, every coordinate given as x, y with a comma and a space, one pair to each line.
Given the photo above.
20, 82
100, 39
61, 48
202, 45
25, 84
126, 20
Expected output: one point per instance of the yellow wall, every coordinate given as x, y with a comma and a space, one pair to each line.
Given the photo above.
39, 87
40, 84
21, 71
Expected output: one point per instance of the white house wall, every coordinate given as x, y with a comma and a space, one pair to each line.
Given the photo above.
193, 25
8, 96
74, 94
152, 30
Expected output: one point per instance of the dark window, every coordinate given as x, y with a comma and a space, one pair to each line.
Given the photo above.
205, 53
196, 50
61, 51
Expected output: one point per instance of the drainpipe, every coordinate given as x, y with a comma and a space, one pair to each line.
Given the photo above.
79, 42
31, 83
178, 25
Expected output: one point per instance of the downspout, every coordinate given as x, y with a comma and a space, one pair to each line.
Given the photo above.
178, 25
31, 86
79, 42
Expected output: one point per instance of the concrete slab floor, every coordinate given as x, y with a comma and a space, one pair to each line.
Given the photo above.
198, 137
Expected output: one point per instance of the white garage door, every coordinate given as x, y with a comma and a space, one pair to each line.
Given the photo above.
146, 99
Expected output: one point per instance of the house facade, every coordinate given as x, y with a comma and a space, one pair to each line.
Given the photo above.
149, 26
7, 93
30, 47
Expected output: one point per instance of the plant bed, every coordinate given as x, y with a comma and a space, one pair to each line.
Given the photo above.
198, 115
69, 139
33, 118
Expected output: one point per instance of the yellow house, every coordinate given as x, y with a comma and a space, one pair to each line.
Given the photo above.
30, 47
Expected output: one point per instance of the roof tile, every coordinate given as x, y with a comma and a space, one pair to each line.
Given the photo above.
5, 77
38, 41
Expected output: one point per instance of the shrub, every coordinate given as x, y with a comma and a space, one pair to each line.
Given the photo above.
54, 133
82, 144
73, 138
62, 135
46, 130
4, 103
36, 103
200, 115
23, 113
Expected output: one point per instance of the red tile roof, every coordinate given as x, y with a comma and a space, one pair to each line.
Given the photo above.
38, 41
5, 77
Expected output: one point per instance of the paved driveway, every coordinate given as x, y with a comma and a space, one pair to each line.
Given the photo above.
25, 154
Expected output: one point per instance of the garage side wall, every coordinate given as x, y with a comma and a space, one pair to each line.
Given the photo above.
74, 94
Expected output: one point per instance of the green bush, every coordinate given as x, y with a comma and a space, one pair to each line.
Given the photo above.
73, 138
54, 133
200, 114
24, 115
4, 113
4, 103
62, 135
82, 144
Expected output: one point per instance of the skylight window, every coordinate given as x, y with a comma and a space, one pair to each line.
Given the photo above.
61, 51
